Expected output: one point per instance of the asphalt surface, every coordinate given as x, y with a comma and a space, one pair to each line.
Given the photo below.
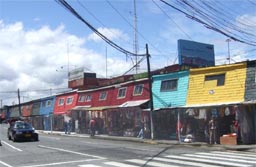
251, 147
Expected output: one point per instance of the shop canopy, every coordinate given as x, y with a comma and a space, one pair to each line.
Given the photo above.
101, 108
134, 103
212, 104
80, 108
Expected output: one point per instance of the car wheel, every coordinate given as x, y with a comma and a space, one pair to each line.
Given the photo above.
9, 137
14, 139
36, 139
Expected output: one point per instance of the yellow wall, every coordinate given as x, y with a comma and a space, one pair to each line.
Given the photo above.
207, 92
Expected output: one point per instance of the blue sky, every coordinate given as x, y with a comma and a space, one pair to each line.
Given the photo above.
39, 39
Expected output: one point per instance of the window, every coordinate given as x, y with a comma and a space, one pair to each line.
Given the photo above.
138, 89
121, 92
81, 98
61, 102
169, 85
48, 103
220, 78
103, 96
88, 98
69, 100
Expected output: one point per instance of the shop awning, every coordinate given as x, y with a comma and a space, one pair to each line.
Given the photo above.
101, 108
211, 104
249, 102
134, 103
81, 108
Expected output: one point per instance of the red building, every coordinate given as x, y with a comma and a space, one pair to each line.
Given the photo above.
64, 103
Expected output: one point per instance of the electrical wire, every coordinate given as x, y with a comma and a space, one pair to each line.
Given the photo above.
169, 17
203, 14
111, 43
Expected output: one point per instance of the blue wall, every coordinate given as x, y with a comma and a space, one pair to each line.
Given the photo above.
170, 98
44, 108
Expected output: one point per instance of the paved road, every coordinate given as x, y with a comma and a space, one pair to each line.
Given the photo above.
64, 151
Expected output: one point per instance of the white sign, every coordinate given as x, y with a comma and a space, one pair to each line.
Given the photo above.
75, 74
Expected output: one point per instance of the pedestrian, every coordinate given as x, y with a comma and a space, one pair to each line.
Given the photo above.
141, 133
92, 126
69, 126
212, 131
66, 127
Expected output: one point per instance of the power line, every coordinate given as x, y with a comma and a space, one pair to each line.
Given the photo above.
140, 34
172, 20
220, 25
111, 43
36, 90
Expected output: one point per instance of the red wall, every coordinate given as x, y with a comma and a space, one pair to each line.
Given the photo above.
112, 93
65, 107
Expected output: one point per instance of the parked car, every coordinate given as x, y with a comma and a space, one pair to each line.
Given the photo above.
21, 130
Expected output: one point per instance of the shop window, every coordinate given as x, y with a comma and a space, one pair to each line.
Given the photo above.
81, 98
103, 96
88, 98
121, 92
169, 85
69, 100
48, 103
220, 79
138, 89
61, 102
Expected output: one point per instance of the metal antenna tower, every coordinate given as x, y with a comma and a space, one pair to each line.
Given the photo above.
135, 40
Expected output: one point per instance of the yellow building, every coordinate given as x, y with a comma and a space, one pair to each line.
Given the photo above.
224, 84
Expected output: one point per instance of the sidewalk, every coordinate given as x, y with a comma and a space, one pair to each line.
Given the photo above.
251, 148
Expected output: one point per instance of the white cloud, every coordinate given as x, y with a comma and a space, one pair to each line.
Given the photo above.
30, 58
110, 33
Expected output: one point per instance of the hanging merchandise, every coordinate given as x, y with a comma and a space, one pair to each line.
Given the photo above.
202, 113
214, 113
227, 111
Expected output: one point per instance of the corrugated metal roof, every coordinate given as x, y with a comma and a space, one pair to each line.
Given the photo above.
134, 103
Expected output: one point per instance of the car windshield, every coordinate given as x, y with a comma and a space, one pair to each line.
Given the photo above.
22, 125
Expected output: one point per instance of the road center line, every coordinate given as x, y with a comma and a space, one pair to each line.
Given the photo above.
5, 164
73, 152
60, 163
15, 148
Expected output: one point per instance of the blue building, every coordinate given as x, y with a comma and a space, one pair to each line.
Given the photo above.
46, 111
169, 93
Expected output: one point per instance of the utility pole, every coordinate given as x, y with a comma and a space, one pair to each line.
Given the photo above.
228, 40
19, 102
150, 94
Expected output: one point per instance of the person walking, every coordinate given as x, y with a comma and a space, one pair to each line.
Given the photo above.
66, 127
141, 133
92, 126
212, 131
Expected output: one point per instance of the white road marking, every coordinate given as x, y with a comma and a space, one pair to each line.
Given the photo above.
206, 160
236, 153
15, 148
142, 162
60, 163
89, 165
73, 152
220, 158
228, 156
5, 164
183, 162
118, 164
